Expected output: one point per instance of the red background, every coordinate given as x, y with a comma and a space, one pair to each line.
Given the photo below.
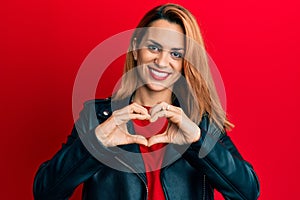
254, 43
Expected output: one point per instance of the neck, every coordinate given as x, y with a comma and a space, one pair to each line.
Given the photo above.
146, 97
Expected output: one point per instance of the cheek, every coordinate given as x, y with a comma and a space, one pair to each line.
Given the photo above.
142, 71
178, 66
144, 56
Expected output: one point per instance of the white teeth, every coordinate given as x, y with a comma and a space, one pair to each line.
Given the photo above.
159, 74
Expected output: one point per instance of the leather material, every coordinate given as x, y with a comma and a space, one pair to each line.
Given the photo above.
185, 176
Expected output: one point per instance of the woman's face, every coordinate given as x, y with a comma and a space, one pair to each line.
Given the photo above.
160, 55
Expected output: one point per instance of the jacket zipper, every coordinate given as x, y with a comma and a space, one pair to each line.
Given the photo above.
204, 191
134, 171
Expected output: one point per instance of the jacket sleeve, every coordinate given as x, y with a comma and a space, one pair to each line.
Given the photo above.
226, 170
70, 166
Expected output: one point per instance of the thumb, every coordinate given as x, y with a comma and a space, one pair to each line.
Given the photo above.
137, 139
160, 138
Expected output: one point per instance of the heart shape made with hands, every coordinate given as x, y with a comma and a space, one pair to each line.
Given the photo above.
163, 123
153, 127
148, 129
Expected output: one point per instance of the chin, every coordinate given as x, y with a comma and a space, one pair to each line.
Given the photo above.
156, 87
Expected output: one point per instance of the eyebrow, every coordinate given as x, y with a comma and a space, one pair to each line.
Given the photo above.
154, 42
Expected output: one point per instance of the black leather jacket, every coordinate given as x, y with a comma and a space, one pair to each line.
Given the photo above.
187, 176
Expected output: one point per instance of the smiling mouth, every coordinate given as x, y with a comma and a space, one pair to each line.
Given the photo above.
158, 75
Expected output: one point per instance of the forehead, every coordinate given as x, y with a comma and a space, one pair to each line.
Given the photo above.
169, 35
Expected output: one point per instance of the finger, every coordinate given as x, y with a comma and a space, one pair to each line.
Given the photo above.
166, 109
161, 138
136, 139
139, 116
158, 107
138, 112
126, 117
136, 108
174, 115
171, 115
159, 114
121, 118
158, 110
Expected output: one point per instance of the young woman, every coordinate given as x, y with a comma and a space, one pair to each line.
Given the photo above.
163, 133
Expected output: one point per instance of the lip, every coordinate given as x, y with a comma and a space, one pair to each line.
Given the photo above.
158, 74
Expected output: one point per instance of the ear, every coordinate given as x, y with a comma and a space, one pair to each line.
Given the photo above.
134, 51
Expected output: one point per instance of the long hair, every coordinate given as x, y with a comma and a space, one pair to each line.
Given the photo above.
203, 97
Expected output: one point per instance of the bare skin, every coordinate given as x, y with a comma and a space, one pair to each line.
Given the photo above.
113, 131
159, 56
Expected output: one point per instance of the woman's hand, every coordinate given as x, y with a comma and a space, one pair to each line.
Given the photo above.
113, 131
181, 131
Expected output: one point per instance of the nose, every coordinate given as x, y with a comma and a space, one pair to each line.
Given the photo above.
162, 59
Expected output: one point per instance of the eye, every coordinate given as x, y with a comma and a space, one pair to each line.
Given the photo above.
153, 48
176, 54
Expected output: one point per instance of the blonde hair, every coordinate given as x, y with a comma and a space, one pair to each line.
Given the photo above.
203, 97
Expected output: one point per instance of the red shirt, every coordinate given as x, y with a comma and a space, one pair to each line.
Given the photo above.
152, 156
